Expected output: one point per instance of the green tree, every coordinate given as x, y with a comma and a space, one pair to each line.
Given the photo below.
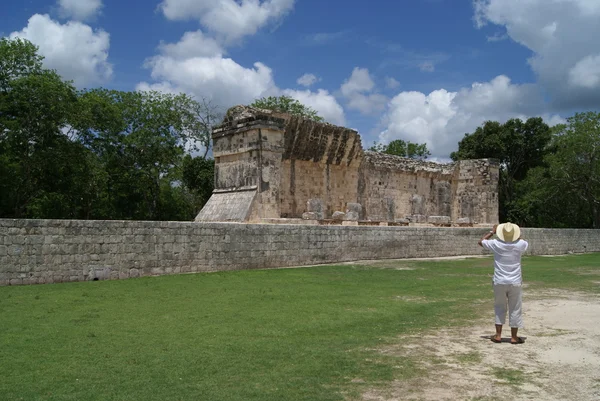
40, 166
18, 58
286, 104
519, 146
141, 139
399, 147
567, 188
198, 177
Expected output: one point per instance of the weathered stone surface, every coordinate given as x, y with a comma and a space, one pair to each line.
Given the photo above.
338, 216
310, 216
157, 248
286, 160
438, 219
316, 206
417, 218
352, 215
354, 207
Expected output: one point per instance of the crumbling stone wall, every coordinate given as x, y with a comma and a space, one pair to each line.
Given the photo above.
287, 165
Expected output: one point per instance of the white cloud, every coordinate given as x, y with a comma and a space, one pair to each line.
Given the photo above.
427, 66
359, 81
357, 90
586, 73
74, 50
367, 104
222, 80
229, 20
192, 44
307, 80
219, 79
391, 83
441, 118
80, 10
322, 101
561, 34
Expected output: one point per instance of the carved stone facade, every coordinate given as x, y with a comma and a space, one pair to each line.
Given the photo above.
274, 167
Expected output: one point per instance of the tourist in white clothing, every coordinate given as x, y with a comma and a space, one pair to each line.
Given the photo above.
508, 279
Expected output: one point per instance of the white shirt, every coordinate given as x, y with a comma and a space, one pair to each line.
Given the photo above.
507, 260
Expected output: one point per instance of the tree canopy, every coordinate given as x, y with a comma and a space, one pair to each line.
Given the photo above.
95, 154
286, 104
399, 147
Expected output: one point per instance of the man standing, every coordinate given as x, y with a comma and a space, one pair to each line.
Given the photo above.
507, 250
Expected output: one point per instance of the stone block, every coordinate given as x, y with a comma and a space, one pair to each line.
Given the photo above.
464, 221
338, 216
310, 216
438, 219
354, 207
316, 206
352, 216
417, 218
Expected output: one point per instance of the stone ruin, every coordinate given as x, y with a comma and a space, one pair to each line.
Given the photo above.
273, 167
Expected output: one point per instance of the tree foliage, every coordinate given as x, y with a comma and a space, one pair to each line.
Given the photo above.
286, 104
565, 191
399, 147
97, 154
519, 146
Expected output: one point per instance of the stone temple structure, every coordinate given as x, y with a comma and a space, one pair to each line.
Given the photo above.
272, 167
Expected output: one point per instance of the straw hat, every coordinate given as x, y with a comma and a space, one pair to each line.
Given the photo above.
508, 232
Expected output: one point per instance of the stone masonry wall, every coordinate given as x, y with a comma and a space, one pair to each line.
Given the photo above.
51, 251
393, 188
288, 162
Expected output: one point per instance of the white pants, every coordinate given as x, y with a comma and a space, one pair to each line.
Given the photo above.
512, 295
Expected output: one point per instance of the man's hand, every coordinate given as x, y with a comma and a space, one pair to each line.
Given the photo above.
488, 235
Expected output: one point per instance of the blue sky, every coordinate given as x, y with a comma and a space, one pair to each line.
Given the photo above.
421, 70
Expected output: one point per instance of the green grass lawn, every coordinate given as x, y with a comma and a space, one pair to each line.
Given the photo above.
290, 334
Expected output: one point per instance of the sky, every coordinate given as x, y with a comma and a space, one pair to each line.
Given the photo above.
426, 71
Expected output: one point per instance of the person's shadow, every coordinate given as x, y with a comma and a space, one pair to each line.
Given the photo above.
504, 339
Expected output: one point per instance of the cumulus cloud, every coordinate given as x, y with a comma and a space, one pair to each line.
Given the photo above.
359, 81
561, 34
80, 10
586, 73
221, 79
307, 80
229, 20
441, 118
322, 101
192, 44
74, 50
357, 90
195, 65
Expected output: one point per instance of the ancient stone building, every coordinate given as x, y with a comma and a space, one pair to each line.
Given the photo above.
273, 167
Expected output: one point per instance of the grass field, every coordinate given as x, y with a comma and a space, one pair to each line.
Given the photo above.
291, 334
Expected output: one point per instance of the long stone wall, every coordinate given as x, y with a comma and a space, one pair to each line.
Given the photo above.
51, 251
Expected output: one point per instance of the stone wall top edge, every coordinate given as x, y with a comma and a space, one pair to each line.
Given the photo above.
232, 130
243, 117
276, 227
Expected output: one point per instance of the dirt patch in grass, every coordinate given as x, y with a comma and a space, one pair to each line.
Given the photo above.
558, 361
